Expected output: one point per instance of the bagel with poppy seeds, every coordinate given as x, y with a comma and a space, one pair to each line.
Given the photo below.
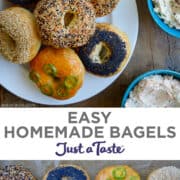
58, 73
65, 24
117, 173
107, 51
67, 172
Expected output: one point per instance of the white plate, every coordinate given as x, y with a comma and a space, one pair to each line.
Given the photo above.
15, 77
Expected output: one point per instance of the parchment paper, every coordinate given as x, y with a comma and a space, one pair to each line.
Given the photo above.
39, 168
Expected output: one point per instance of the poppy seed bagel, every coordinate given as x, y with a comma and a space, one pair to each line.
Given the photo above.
107, 51
67, 172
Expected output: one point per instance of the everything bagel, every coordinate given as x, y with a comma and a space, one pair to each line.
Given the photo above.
67, 23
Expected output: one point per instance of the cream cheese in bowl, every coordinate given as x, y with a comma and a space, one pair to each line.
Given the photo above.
169, 11
155, 91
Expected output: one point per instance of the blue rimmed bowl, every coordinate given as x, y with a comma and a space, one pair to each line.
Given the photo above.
141, 77
172, 31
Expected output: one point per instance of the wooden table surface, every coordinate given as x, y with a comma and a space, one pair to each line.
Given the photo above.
155, 49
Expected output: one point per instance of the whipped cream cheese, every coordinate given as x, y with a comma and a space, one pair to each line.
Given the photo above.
169, 11
155, 91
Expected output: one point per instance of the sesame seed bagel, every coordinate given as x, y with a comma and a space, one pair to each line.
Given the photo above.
165, 173
104, 7
67, 172
107, 51
67, 23
117, 173
19, 39
15, 172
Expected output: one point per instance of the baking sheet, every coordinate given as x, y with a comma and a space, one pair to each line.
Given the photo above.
39, 168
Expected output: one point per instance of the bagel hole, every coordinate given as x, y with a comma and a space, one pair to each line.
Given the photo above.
10, 43
101, 53
68, 19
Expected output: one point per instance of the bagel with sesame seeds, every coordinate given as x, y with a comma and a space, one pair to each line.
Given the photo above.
65, 24
58, 73
107, 51
104, 7
19, 38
